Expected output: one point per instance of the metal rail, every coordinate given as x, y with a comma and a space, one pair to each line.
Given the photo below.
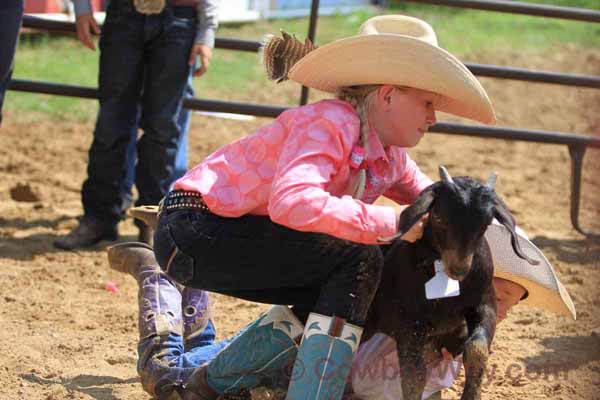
577, 143
515, 7
492, 71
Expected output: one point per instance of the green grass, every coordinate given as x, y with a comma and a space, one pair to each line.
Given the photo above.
591, 4
464, 31
239, 75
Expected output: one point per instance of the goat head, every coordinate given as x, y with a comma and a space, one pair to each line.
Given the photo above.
460, 210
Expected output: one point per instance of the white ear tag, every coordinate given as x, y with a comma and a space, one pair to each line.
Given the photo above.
441, 285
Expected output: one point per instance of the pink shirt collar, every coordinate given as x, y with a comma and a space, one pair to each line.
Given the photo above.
376, 149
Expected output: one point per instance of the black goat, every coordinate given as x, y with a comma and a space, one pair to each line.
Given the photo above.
460, 211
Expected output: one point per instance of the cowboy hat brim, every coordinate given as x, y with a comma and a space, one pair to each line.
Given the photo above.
543, 287
396, 60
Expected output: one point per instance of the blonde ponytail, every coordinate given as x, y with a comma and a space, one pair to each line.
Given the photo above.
360, 98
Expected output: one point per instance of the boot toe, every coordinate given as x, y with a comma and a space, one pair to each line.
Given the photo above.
129, 256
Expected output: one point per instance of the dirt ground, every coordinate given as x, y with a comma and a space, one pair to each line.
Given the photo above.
66, 337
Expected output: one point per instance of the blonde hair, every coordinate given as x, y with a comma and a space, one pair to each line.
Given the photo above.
360, 97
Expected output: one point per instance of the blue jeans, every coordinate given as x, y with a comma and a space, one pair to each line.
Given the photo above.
11, 14
143, 78
164, 364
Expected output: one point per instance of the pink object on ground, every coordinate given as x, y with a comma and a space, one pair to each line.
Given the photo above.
111, 287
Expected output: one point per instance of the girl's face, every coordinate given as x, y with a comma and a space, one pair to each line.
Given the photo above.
401, 116
508, 294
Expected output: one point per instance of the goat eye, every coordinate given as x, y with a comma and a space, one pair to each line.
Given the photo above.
438, 221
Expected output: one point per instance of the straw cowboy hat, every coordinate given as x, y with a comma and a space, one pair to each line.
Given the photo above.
396, 50
544, 290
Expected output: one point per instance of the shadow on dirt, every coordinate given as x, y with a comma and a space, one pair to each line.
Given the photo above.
565, 353
22, 223
26, 248
584, 251
90, 385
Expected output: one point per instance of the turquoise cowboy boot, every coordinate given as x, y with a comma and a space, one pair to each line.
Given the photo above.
324, 359
257, 356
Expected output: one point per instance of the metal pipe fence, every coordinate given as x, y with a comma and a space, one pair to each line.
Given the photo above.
577, 144
492, 71
515, 7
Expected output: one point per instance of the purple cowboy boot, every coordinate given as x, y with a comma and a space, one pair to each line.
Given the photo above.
159, 296
160, 316
198, 329
128, 257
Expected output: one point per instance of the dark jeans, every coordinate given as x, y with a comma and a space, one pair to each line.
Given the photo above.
143, 76
11, 14
181, 160
255, 259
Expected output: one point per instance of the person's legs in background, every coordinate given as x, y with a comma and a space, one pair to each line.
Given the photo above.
11, 14
183, 121
181, 159
122, 68
165, 86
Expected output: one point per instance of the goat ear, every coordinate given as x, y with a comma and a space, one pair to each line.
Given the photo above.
491, 180
444, 174
503, 215
416, 210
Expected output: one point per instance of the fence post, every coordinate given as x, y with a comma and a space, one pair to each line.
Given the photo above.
312, 28
577, 151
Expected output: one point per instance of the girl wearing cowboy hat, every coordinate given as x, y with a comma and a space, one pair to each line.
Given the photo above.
286, 215
375, 372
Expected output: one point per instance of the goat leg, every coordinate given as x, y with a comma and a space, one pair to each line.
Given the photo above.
482, 327
413, 369
475, 360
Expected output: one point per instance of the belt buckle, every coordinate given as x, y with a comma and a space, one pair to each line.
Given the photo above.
148, 7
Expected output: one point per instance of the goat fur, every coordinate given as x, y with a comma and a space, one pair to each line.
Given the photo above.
460, 209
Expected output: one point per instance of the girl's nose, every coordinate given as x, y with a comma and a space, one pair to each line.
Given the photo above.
431, 119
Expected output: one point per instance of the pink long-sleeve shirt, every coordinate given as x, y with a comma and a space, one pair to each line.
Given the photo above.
297, 170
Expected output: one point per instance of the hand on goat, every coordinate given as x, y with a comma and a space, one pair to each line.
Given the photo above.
415, 232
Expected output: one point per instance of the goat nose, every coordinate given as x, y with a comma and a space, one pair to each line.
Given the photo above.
456, 273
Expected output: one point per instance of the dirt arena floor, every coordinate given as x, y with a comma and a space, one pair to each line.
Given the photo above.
66, 337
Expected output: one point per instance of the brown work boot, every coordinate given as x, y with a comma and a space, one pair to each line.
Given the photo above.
87, 233
129, 257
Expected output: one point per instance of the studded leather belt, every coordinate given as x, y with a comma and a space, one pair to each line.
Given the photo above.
182, 200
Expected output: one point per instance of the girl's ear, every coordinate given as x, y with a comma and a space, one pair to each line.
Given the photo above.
384, 95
